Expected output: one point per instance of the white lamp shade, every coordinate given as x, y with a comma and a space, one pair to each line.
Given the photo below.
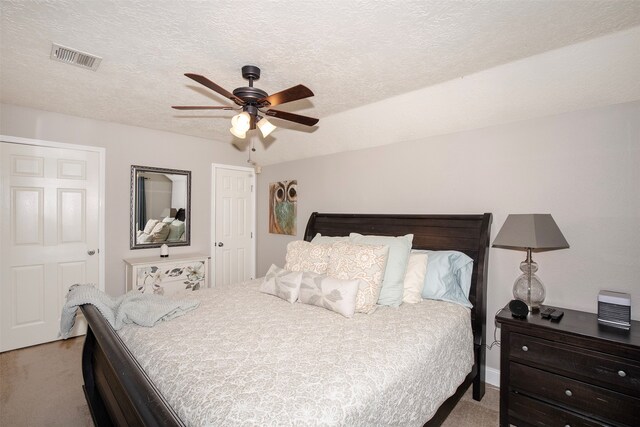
241, 122
237, 133
266, 127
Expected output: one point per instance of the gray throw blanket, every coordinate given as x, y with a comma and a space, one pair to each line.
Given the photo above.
133, 307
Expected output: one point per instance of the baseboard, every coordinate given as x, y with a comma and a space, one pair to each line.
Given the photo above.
492, 376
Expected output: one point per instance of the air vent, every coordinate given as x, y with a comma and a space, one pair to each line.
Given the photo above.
75, 57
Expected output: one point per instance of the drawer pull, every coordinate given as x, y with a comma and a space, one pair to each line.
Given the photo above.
622, 373
568, 392
567, 425
525, 348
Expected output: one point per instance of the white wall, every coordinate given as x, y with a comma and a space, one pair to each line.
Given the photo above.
595, 73
178, 191
126, 146
582, 167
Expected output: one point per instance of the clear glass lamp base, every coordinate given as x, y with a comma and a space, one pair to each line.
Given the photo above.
528, 287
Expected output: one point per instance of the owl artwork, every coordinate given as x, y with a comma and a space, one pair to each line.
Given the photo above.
283, 200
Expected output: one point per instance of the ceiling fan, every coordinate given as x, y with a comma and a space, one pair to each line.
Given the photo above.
255, 103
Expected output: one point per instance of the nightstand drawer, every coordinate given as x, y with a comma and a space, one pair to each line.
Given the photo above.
524, 411
583, 397
600, 368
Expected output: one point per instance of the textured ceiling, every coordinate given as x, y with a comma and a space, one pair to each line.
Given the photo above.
350, 53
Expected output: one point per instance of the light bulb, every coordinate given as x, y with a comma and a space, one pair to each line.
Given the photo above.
266, 127
237, 133
241, 122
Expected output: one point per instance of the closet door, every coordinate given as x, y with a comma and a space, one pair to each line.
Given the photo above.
234, 224
50, 237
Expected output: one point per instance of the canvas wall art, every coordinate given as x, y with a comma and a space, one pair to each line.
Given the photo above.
283, 207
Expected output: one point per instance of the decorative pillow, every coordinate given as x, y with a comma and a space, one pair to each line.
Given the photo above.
393, 282
160, 232
319, 238
448, 277
176, 229
144, 238
282, 283
148, 228
168, 219
330, 293
306, 256
414, 278
350, 261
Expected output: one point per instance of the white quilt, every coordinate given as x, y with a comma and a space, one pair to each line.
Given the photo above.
248, 358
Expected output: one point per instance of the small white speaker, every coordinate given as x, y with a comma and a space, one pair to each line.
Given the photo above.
614, 309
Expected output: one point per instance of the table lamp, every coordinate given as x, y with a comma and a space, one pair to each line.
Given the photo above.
530, 232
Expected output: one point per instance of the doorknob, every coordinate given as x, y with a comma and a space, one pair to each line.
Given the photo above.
220, 244
91, 252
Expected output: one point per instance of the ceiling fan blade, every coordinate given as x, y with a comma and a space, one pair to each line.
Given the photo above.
198, 107
292, 94
214, 87
304, 120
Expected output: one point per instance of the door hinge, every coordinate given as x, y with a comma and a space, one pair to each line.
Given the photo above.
252, 234
252, 188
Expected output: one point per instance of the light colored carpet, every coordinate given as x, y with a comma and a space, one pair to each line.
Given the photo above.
42, 386
469, 413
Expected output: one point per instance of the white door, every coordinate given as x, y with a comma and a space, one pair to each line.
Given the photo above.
50, 236
233, 224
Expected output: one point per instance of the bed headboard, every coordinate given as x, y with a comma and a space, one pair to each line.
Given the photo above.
465, 233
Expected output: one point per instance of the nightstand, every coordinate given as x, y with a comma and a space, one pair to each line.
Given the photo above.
568, 373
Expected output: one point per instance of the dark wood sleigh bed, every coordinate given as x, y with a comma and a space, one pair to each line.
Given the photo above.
119, 392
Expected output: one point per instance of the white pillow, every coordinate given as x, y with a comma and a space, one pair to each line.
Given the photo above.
148, 228
144, 238
319, 238
414, 278
282, 283
306, 256
330, 293
160, 232
349, 261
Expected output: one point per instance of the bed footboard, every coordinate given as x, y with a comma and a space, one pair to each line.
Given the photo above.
117, 390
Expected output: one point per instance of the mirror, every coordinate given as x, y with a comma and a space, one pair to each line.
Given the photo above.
160, 207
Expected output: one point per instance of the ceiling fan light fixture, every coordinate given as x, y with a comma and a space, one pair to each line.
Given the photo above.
266, 127
237, 133
241, 122
254, 103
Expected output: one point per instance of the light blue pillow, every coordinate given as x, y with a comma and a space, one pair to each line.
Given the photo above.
319, 238
392, 289
448, 277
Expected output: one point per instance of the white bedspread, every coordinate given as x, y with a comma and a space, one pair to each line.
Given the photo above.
247, 358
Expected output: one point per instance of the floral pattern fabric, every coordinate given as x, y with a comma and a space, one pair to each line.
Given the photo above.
367, 263
246, 358
333, 294
282, 283
150, 279
306, 256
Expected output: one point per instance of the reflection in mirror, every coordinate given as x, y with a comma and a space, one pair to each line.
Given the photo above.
160, 207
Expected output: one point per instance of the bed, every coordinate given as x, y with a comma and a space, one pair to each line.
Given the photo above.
120, 392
